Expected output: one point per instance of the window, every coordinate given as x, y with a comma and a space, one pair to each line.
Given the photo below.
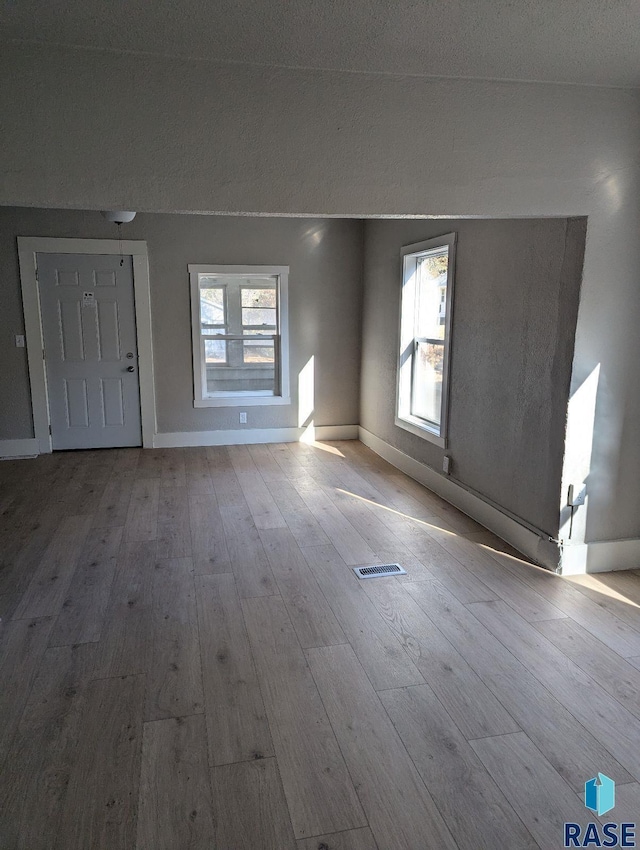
425, 337
239, 324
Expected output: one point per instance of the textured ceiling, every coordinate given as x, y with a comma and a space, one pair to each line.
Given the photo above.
577, 41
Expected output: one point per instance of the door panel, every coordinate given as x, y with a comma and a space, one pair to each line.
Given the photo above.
91, 358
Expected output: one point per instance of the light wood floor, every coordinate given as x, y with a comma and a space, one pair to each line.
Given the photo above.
187, 661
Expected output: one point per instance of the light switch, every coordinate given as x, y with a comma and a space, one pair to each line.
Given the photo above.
19, 340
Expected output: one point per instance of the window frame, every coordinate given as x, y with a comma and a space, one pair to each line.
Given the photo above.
242, 398
404, 418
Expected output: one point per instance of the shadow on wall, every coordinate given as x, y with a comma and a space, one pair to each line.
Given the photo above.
306, 400
581, 417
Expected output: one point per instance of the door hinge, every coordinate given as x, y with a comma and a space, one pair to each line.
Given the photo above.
49, 430
43, 353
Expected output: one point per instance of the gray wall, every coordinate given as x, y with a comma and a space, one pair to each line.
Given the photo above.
90, 129
325, 298
515, 306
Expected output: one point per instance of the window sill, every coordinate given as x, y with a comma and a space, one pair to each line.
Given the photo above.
241, 401
415, 426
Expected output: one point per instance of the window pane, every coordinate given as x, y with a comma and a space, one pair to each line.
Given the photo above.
262, 297
258, 351
211, 305
431, 295
428, 366
250, 367
215, 351
259, 316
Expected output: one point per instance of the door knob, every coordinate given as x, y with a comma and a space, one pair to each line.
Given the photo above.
130, 369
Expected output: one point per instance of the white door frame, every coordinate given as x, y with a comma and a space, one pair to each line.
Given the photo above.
28, 248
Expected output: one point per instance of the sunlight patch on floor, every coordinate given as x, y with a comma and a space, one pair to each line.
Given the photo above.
423, 522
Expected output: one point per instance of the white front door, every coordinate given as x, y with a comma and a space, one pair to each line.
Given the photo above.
90, 350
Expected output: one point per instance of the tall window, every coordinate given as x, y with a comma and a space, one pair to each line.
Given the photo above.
239, 319
425, 337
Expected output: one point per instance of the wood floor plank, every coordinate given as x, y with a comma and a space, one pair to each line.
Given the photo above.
125, 641
125, 460
173, 469
375, 489
613, 673
377, 647
241, 459
468, 700
20, 556
174, 530
150, 463
381, 539
113, 507
608, 597
591, 613
348, 542
199, 480
285, 460
542, 799
101, 800
263, 506
218, 457
173, 503
22, 645
83, 609
520, 596
248, 559
286, 495
607, 720
174, 683
400, 810
142, 516
237, 725
34, 782
473, 807
572, 750
414, 535
624, 585
251, 810
305, 528
455, 519
227, 488
175, 808
310, 613
208, 540
46, 591
353, 839
84, 496
319, 792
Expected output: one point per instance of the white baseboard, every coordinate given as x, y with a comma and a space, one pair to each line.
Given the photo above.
537, 548
600, 556
247, 436
18, 448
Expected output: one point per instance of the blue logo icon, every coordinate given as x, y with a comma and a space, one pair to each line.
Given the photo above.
600, 794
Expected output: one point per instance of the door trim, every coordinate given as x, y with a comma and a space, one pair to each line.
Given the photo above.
28, 248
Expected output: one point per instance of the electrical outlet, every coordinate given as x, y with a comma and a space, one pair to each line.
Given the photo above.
446, 464
19, 340
243, 417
